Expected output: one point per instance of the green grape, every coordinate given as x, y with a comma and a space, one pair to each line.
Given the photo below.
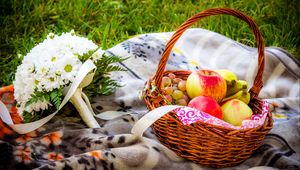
177, 94
182, 85
171, 75
181, 102
166, 81
177, 80
168, 90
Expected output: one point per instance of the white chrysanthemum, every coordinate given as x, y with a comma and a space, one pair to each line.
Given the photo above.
50, 65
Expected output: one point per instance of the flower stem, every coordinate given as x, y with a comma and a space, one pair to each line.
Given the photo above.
83, 110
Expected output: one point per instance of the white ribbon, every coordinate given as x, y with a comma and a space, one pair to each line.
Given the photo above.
87, 102
4, 114
86, 67
147, 120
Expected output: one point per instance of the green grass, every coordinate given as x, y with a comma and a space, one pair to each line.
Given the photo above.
24, 23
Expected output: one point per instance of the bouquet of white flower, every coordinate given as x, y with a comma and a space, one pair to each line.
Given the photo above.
50, 68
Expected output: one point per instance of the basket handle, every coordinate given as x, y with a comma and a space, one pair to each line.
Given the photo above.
258, 83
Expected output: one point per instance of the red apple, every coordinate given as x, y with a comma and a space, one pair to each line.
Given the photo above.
235, 111
206, 83
207, 105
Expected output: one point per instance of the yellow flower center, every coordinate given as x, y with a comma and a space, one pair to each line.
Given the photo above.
68, 68
53, 59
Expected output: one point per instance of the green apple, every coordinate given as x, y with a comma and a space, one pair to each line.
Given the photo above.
235, 111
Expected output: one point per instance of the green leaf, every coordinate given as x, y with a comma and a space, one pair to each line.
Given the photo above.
102, 84
38, 96
56, 97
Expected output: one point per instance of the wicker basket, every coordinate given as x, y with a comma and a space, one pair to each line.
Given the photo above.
203, 143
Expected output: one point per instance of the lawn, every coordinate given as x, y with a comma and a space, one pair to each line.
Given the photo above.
25, 23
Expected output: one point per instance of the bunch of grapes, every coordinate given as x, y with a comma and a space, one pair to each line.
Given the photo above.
174, 90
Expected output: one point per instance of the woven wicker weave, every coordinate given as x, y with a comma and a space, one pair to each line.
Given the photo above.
204, 143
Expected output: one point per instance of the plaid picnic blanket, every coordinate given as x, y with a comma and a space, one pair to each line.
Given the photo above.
66, 143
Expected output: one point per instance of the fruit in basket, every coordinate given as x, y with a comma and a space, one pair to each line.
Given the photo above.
173, 90
233, 84
242, 95
182, 85
235, 111
206, 83
177, 80
166, 81
177, 94
228, 75
181, 102
238, 86
169, 98
207, 105
168, 90
172, 76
